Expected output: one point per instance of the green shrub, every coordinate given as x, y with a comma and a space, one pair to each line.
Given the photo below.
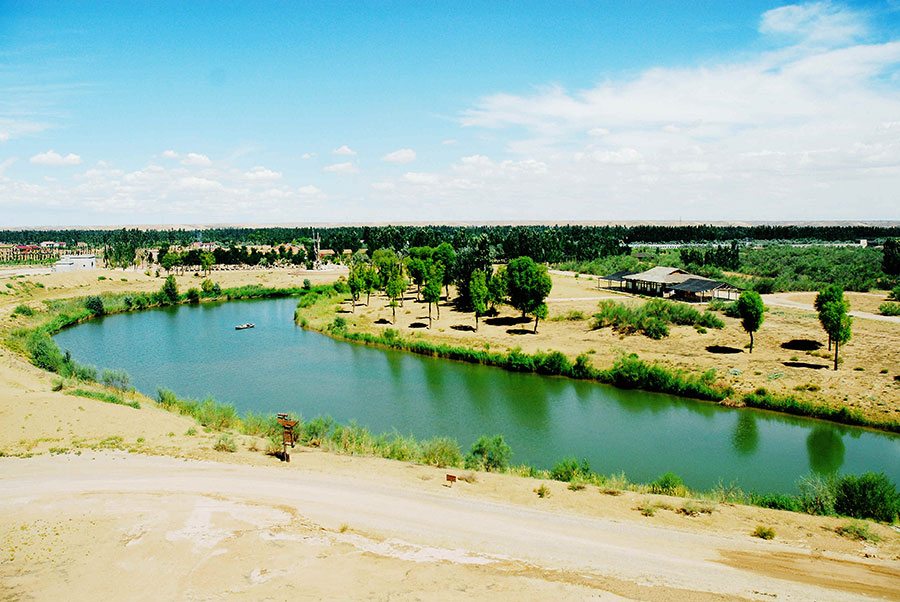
118, 379
193, 295
44, 352
776, 501
816, 495
488, 454
168, 294
307, 284
107, 397
870, 495
858, 531
339, 324
583, 367
667, 484
23, 310
216, 289
206, 286
340, 286
519, 362
317, 429
655, 328
569, 469
441, 452
553, 363
764, 532
895, 294
94, 304
543, 491
216, 415
889, 309
225, 443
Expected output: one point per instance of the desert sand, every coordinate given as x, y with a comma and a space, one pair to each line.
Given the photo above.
109, 502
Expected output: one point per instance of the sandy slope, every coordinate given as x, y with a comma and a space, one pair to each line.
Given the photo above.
110, 525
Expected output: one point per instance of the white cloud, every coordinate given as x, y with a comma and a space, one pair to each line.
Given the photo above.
450, 141
342, 168
404, 155
420, 178
598, 132
196, 160
344, 150
260, 173
822, 22
170, 154
309, 190
54, 159
307, 155
623, 156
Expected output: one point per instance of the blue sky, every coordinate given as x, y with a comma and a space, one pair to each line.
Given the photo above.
132, 113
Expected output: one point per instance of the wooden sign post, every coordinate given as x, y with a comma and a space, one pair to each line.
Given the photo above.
287, 435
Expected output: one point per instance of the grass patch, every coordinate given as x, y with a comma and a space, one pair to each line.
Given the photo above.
225, 443
652, 318
788, 404
106, 397
764, 532
857, 531
889, 309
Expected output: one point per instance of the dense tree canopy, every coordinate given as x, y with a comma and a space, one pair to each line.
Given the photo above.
527, 286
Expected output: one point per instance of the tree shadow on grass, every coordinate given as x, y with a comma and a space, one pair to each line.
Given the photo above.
519, 331
382, 321
805, 365
463, 327
507, 321
418, 325
802, 345
721, 349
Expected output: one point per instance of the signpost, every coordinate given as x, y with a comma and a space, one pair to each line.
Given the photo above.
287, 435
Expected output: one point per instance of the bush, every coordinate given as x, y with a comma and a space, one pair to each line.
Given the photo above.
206, 286
340, 286
168, 294
225, 443
44, 352
764, 532
117, 379
816, 496
871, 495
554, 363
889, 309
339, 324
776, 501
216, 289
667, 484
488, 454
519, 362
569, 469
441, 452
23, 310
857, 531
94, 304
317, 429
583, 367
307, 284
193, 295
895, 294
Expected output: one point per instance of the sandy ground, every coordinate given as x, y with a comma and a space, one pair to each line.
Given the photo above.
102, 500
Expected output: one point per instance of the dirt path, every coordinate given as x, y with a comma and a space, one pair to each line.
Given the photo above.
783, 301
240, 532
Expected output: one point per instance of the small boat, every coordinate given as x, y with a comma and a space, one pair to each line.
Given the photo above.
243, 326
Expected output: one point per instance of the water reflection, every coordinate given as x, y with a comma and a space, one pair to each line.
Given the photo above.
826, 450
745, 437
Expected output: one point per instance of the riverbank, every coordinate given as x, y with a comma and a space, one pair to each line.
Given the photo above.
58, 427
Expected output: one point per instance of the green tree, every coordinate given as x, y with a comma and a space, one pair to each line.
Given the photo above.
207, 260
837, 323
169, 290
432, 293
94, 304
478, 291
528, 285
497, 288
752, 312
890, 262
830, 294
489, 454
169, 261
356, 282
386, 263
394, 288
446, 256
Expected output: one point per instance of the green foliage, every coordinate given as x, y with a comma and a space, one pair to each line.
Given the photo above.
215, 415
553, 363
225, 443
23, 310
816, 495
543, 491
871, 495
569, 469
751, 310
193, 295
667, 484
895, 293
169, 292
776, 501
527, 285
630, 372
764, 532
761, 398
890, 262
105, 397
651, 318
478, 293
117, 379
307, 284
489, 454
339, 324
441, 452
206, 286
44, 352
94, 304
857, 531
340, 286
889, 309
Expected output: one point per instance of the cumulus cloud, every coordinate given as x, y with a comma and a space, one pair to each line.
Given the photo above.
404, 155
344, 150
196, 160
54, 159
260, 173
170, 154
342, 168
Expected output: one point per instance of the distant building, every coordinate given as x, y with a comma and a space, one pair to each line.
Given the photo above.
72, 263
49, 244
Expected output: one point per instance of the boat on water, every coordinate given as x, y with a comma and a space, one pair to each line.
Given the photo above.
243, 326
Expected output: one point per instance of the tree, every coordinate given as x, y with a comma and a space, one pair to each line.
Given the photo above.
170, 290
356, 282
169, 261
527, 285
830, 294
207, 260
752, 312
497, 287
393, 289
94, 304
891, 261
837, 323
386, 263
446, 256
432, 293
478, 292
